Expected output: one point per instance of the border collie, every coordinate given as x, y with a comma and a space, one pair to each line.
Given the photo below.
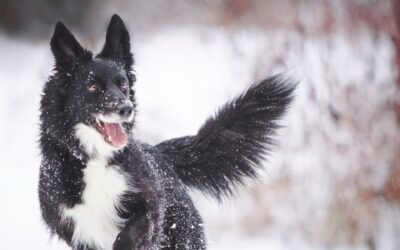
101, 188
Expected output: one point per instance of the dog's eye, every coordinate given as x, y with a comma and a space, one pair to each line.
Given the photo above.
93, 88
124, 86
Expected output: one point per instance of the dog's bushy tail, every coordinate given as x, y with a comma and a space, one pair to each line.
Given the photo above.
231, 145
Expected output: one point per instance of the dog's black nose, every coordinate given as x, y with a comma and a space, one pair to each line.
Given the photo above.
125, 109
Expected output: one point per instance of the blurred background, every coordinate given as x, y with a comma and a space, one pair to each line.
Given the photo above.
333, 181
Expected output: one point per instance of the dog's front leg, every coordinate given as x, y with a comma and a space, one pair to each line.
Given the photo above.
133, 234
140, 232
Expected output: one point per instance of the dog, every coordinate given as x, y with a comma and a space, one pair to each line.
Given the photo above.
101, 189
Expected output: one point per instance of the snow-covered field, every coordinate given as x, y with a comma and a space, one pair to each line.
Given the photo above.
339, 135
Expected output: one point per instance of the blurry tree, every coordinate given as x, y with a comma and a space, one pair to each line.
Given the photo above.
392, 188
35, 18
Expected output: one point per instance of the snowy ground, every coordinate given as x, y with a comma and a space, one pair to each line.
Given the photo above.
183, 76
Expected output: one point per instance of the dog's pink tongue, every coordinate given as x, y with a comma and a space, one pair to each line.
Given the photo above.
116, 134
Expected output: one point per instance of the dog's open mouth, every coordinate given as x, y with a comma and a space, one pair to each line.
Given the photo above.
113, 133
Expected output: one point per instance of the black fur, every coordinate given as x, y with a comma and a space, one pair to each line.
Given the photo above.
158, 211
231, 145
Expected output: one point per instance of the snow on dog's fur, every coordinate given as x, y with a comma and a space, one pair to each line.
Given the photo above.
100, 188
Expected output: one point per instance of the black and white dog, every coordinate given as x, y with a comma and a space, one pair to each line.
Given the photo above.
100, 188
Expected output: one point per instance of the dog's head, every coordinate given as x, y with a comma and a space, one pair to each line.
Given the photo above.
91, 97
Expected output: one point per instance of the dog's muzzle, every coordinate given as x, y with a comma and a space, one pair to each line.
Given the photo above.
125, 109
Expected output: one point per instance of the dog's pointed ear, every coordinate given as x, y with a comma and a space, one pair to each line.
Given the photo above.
117, 46
66, 49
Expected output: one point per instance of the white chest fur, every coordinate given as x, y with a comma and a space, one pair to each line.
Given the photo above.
96, 219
